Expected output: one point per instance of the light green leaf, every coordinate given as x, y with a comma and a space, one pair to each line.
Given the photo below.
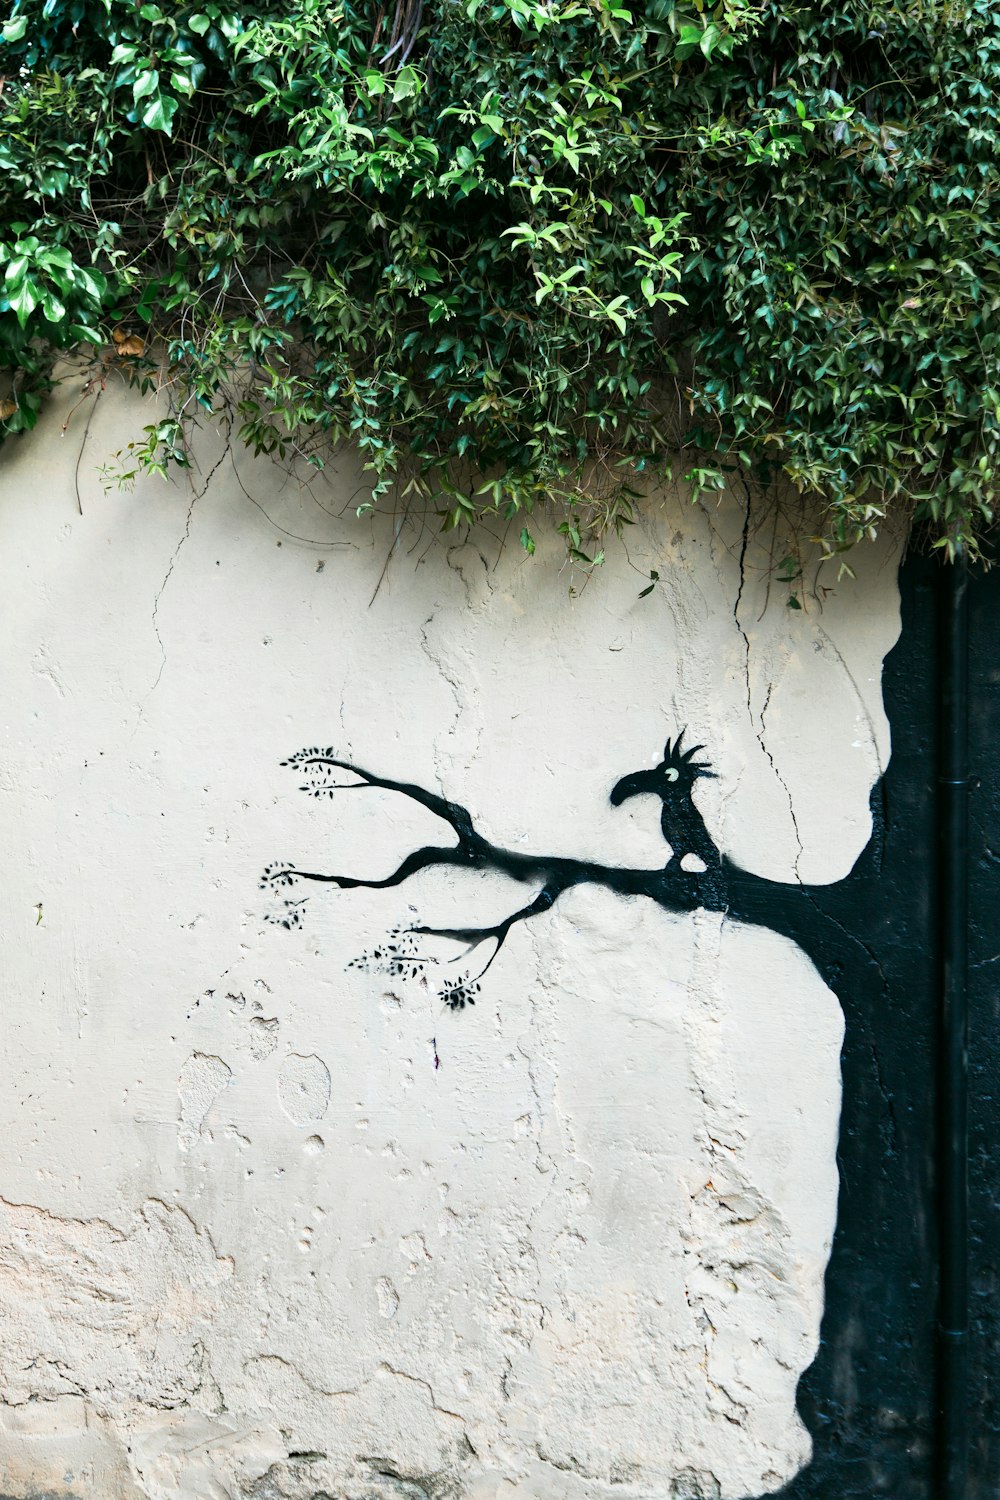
16, 269
710, 38
93, 283
57, 255
53, 309
24, 300
148, 82
406, 84
159, 114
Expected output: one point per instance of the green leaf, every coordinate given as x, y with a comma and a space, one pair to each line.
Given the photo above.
24, 300
688, 41
16, 269
160, 112
148, 82
199, 23
15, 29
93, 283
57, 255
53, 309
406, 84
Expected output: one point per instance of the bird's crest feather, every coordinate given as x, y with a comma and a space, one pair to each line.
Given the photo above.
685, 761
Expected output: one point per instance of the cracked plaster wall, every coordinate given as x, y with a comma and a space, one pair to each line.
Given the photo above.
253, 1242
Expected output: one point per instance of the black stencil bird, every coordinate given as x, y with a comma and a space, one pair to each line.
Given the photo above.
682, 824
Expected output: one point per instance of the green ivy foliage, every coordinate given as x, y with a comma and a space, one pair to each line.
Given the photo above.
524, 251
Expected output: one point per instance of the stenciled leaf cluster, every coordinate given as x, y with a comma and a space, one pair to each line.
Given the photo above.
524, 252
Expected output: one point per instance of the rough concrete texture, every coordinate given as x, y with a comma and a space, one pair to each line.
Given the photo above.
254, 1243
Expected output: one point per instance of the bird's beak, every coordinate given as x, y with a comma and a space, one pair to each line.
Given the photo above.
634, 786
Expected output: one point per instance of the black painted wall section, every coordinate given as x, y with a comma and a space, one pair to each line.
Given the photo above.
869, 1398
984, 1036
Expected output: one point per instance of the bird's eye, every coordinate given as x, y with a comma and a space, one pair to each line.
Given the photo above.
672, 774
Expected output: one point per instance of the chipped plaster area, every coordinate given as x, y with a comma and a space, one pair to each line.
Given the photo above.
273, 1227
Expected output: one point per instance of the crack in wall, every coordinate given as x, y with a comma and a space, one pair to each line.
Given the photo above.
760, 732
418, 1380
862, 705
459, 689
156, 606
782, 782
196, 495
327, 1393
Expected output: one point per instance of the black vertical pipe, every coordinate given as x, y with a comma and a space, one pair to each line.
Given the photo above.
953, 1196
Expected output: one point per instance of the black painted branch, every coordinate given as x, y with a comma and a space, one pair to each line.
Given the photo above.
806, 915
456, 816
473, 936
420, 859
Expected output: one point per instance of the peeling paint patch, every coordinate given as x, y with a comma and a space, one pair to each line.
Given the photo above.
695, 1484
91, 1310
388, 1298
304, 1087
262, 1035
202, 1079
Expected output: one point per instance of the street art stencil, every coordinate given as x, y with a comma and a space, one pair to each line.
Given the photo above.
822, 921
696, 875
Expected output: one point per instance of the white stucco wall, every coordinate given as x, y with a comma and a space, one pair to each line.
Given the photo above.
253, 1242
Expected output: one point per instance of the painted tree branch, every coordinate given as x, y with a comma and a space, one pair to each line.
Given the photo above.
696, 875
